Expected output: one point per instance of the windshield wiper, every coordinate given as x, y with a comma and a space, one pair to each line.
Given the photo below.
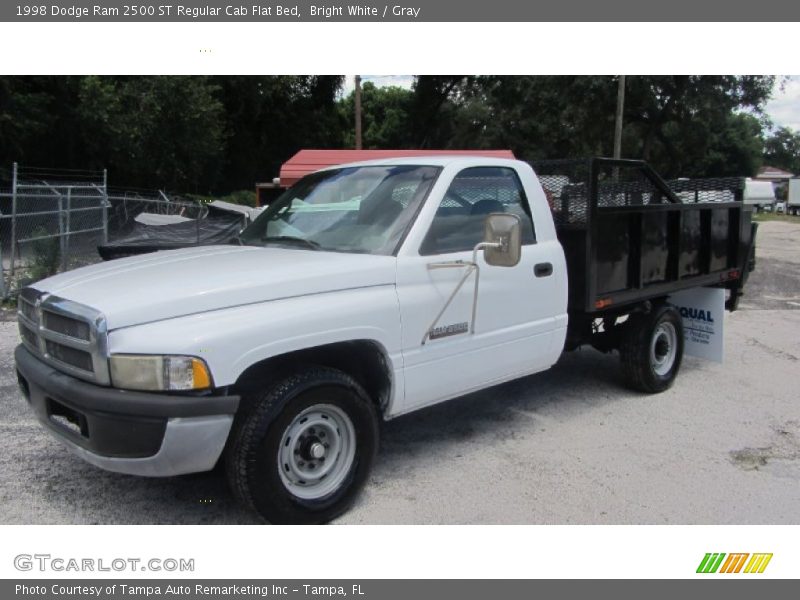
292, 240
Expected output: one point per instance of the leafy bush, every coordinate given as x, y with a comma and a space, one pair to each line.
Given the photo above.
46, 255
244, 197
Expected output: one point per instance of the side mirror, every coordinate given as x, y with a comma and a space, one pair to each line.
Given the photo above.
502, 232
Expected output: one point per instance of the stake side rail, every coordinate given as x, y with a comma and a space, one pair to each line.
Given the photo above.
630, 236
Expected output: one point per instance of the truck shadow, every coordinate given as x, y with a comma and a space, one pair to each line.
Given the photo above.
78, 493
579, 381
69, 490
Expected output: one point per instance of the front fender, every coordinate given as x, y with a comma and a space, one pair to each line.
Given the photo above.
230, 340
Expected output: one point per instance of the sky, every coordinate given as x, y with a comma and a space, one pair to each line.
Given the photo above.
403, 81
783, 109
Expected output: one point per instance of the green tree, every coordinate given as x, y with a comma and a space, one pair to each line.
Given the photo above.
170, 131
224, 133
385, 117
437, 101
187, 134
269, 118
688, 125
38, 121
25, 117
782, 150
683, 125
537, 117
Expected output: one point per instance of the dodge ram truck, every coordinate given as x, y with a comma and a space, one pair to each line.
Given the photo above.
364, 292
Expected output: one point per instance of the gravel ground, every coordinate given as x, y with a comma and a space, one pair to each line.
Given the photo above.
570, 445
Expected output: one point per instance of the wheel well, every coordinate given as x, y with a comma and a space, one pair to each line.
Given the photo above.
582, 328
364, 360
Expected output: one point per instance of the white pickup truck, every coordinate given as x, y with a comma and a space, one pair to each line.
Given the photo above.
365, 292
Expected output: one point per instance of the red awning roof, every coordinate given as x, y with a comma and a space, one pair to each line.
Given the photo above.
767, 172
308, 161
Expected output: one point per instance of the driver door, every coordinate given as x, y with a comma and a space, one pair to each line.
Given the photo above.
514, 320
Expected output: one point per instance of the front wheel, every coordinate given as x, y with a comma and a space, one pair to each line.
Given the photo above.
652, 349
305, 447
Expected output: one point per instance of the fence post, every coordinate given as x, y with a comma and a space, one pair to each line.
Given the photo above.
3, 294
105, 206
68, 218
61, 240
13, 226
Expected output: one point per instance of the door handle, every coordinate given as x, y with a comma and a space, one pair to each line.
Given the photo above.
543, 269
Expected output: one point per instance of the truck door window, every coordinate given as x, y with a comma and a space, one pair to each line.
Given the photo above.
475, 193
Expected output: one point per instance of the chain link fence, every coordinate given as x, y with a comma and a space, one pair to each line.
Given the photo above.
52, 220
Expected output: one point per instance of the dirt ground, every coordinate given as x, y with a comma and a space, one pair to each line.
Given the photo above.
570, 445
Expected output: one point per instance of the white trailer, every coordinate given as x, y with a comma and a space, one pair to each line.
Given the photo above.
759, 195
793, 197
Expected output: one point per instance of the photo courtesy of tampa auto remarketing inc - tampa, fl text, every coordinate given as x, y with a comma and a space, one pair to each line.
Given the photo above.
519, 315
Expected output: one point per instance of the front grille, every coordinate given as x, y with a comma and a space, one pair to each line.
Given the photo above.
27, 309
68, 336
28, 317
28, 336
66, 326
70, 356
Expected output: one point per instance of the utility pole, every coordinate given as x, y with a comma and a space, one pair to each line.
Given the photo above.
358, 112
618, 122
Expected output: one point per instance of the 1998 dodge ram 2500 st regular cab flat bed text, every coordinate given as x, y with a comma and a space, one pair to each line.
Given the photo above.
364, 292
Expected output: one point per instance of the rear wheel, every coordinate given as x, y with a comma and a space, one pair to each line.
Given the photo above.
652, 349
305, 447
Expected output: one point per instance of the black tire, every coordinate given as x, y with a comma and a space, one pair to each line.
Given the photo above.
260, 436
640, 352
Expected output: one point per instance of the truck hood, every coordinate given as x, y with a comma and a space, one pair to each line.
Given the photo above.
175, 283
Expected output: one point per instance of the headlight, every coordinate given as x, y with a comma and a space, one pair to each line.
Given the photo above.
141, 372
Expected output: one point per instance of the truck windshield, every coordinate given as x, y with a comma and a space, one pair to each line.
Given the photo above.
357, 209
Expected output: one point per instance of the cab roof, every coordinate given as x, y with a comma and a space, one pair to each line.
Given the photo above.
429, 161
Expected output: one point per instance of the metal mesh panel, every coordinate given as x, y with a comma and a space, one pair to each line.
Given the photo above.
567, 185
404, 193
719, 189
625, 186
474, 189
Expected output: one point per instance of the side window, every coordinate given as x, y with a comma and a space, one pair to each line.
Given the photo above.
474, 193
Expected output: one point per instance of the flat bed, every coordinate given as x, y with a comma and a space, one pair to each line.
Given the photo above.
630, 236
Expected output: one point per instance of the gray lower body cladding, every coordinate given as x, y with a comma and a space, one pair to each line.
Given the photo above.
152, 434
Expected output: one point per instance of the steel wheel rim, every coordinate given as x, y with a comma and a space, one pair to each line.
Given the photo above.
663, 348
317, 451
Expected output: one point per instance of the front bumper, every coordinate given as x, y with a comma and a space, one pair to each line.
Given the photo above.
137, 433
